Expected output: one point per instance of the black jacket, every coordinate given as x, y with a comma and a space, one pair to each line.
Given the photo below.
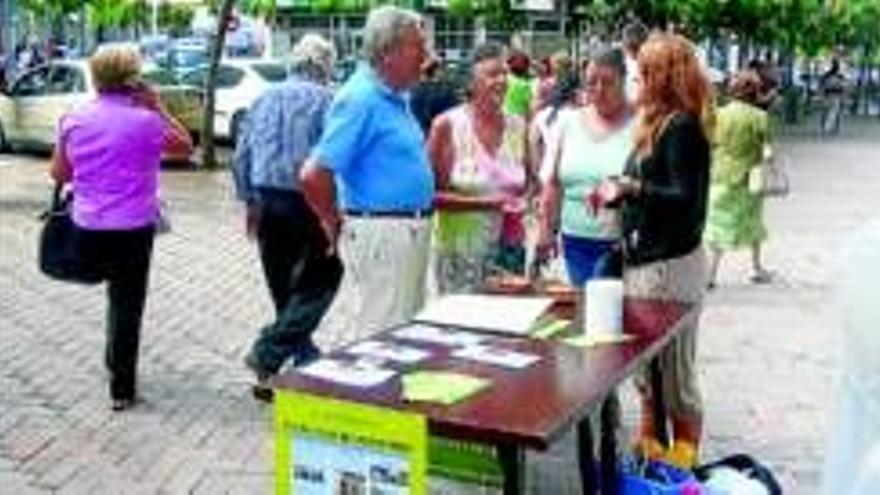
666, 219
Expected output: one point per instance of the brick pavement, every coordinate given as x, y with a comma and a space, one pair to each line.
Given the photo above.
767, 353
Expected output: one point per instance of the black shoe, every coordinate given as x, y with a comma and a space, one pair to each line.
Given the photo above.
261, 390
119, 405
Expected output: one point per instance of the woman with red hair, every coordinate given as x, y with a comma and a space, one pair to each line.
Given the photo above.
664, 194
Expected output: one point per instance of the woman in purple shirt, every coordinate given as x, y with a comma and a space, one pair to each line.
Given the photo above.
110, 150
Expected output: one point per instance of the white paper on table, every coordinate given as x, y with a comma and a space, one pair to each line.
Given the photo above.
389, 351
437, 335
509, 314
497, 356
347, 373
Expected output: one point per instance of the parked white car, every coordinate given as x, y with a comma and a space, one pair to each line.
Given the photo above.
239, 83
30, 112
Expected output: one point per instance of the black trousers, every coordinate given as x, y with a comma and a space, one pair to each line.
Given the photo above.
123, 259
301, 277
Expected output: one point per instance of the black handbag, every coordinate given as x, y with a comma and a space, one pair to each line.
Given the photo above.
60, 250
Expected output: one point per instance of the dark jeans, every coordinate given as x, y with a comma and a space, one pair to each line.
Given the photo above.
123, 259
586, 259
302, 279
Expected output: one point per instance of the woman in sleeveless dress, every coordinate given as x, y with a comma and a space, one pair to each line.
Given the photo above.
479, 157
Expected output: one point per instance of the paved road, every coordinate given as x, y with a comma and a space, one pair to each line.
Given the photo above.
767, 353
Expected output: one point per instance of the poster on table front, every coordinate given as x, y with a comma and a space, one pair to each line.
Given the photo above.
331, 447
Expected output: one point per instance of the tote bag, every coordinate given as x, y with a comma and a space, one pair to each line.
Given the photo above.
768, 179
60, 252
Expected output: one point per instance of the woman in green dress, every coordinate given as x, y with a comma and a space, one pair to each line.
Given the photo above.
736, 215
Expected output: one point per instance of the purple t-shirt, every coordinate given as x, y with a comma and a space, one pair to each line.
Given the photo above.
114, 149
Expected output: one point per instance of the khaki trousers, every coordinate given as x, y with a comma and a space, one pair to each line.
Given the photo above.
680, 279
386, 262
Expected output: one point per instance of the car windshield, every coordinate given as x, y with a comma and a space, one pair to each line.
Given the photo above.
189, 58
271, 72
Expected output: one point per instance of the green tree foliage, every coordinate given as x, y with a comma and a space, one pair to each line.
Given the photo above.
177, 18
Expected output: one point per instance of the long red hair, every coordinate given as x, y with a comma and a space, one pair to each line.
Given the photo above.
672, 81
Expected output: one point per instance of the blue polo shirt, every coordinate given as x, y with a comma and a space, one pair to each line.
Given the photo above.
374, 146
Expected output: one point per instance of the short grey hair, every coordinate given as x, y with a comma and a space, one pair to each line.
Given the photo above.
384, 28
313, 55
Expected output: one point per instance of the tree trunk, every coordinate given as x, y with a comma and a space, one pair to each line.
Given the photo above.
209, 157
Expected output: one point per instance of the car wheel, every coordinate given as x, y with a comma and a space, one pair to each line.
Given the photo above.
235, 126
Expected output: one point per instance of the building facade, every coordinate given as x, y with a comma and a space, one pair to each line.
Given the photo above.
452, 36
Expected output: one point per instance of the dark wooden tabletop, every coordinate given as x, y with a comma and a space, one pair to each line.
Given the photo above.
530, 407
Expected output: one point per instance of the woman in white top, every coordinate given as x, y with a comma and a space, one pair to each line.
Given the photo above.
594, 144
479, 157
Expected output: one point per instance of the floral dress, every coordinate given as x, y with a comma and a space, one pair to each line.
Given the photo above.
735, 216
471, 245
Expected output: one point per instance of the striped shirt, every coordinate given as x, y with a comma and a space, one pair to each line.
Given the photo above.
279, 131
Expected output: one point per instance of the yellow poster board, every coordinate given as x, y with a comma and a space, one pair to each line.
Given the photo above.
331, 447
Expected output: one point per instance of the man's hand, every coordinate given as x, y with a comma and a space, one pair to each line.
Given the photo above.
320, 193
331, 227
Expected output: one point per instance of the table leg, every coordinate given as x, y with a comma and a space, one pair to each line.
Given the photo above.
608, 444
587, 458
512, 465
659, 403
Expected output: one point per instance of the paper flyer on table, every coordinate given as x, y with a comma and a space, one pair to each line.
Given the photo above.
347, 373
389, 351
436, 335
497, 356
510, 314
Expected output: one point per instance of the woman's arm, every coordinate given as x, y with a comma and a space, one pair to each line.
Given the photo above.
60, 169
441, 154
549, 205
176, 137
685, 151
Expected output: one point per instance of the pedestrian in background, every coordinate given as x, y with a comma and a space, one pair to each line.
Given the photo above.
595, 142
433, 95
833, 85
302, 274
518, 99
664, 194
559, 68
736, 215
633, 37
545, 125
373, 148
479, 156
110, 150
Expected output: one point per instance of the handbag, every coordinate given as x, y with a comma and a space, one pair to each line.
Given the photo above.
60, 251
768, 179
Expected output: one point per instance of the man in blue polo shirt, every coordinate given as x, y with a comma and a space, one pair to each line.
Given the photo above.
372, 152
